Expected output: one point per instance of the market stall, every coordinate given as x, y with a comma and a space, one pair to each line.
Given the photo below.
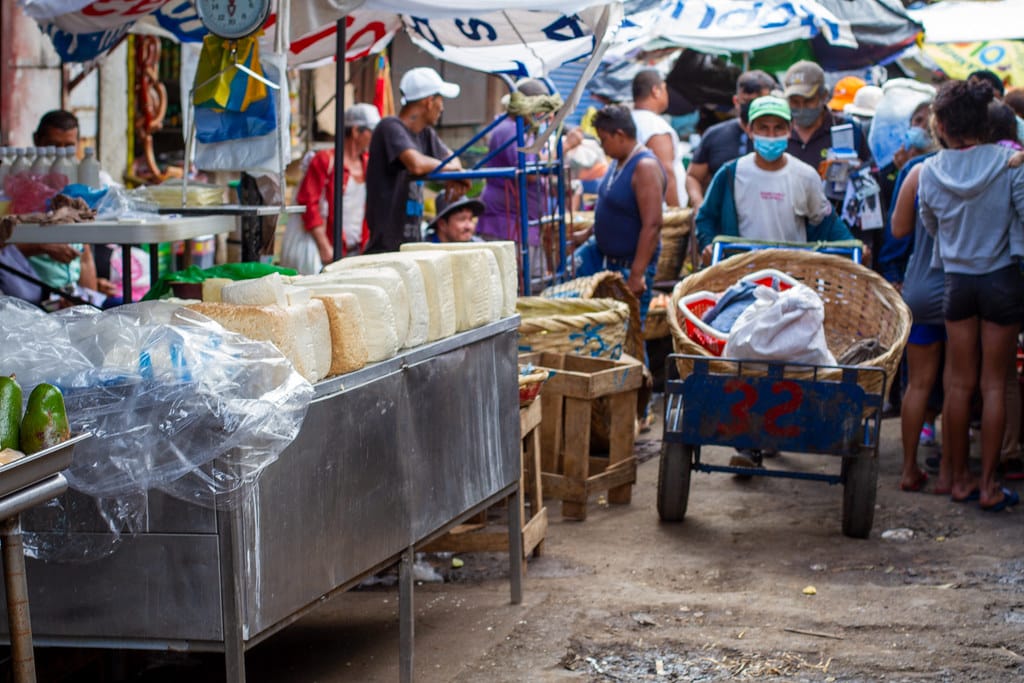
388, 458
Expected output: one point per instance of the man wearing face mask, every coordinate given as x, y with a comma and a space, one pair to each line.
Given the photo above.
808, 98
768, 194
727, 140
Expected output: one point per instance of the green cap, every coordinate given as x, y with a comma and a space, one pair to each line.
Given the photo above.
768, 106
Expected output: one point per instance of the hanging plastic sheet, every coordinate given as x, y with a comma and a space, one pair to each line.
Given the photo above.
173, 401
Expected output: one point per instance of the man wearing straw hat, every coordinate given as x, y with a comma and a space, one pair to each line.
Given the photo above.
768, 194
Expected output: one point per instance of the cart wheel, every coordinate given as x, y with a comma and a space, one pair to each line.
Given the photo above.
860, 486
674, 481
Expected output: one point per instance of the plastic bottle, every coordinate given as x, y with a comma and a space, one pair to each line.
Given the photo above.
41, 164
65, 166
21, 162
89, 169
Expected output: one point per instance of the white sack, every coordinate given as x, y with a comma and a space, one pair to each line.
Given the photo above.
782, 326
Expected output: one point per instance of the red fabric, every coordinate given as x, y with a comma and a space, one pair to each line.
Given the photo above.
318, 181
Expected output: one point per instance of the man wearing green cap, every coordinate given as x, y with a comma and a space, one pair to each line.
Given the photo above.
768, 194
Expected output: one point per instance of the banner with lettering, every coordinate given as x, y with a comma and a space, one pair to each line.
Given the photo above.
518, 37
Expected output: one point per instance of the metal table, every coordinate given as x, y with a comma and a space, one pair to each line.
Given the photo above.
388, 458
24, 484
248, 217
126, 233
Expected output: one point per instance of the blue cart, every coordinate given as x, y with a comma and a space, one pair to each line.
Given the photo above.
772, 406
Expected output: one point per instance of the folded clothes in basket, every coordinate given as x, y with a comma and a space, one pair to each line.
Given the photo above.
729, 306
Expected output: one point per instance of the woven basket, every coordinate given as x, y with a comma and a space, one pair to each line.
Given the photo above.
859, 305
676, 224
656, 325
589, 327
605, 285
530, 385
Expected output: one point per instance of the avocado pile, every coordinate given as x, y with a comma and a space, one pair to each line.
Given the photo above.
44, 424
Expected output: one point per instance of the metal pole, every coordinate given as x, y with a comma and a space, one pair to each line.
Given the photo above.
22, 658
339, 135
406, 615
524, 219
515, 544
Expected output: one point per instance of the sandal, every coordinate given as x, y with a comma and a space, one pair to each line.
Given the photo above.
1010, 498
918, 485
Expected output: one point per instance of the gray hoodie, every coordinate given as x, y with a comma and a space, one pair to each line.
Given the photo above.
974, 206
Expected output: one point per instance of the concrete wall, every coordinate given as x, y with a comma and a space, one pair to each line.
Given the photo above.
113, 112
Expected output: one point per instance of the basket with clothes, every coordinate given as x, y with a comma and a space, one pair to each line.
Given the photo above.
866, 321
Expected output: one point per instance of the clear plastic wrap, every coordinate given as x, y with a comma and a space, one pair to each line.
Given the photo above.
900, 97
174, 402
119, 203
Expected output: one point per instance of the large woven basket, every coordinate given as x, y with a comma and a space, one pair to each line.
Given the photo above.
859, 305
676, 224
588, 327
605, 285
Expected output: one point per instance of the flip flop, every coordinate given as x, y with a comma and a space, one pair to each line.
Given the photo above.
1010, 498
969, 498
917, 486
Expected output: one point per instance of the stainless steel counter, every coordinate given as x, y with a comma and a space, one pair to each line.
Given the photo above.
388, 458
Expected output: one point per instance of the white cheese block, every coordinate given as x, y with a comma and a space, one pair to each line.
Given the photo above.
263, 291
439, 280
212, 287
296, 295
477, 288
380, 329
348, 338
421, 302
508, 264
388, 280
302, 333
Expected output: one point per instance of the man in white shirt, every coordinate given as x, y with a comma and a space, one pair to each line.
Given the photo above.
768, 194
650, 101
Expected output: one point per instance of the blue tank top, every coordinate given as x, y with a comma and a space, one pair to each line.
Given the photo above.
617, 216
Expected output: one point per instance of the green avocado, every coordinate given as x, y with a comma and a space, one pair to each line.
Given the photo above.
46, 422
10, 413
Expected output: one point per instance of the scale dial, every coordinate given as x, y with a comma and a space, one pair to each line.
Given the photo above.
233, 19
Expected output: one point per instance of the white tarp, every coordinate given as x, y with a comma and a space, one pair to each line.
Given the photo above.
518, 37
970, 22
733, 25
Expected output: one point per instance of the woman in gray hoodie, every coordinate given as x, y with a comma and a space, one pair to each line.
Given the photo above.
973, 204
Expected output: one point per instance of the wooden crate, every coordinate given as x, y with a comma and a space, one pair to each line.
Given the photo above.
478, 535
569, 472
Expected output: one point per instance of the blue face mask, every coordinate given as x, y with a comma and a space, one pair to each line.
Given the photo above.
770, 149
917, 138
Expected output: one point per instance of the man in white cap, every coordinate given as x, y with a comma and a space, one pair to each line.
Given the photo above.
403, 148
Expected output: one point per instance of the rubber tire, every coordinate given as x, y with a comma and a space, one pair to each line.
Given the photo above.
674, 481
860, 488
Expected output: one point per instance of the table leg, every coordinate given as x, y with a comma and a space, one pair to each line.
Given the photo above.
406, 616
22, 657
154, 264
515, 545
126, 273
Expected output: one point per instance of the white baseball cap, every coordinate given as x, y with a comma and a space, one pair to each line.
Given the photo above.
423, 82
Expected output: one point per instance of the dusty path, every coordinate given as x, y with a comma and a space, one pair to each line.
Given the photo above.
623, 597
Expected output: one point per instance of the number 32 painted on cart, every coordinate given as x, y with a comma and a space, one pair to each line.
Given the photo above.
772, 413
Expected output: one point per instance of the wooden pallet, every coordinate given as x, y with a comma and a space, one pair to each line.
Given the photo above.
569, 472
479, 535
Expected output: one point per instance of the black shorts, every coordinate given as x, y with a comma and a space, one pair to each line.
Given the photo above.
996, 297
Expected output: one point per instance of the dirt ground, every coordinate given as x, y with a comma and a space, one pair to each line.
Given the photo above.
722, 596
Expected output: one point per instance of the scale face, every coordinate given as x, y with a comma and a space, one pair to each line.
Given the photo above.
233, 19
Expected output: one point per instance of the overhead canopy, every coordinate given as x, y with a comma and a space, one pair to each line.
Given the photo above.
517, 37
966, 22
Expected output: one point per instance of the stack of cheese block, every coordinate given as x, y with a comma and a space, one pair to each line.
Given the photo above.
365, 309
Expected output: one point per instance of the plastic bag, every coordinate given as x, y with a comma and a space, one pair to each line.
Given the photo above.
255, 155
299, 249
782, 326
195, 274
118, 203
900, 97
174, 403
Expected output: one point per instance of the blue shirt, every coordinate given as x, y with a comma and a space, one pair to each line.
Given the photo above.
617, 219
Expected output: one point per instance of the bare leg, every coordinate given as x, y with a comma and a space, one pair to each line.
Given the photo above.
1011, 435
960, 379
998, 343
922, 367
